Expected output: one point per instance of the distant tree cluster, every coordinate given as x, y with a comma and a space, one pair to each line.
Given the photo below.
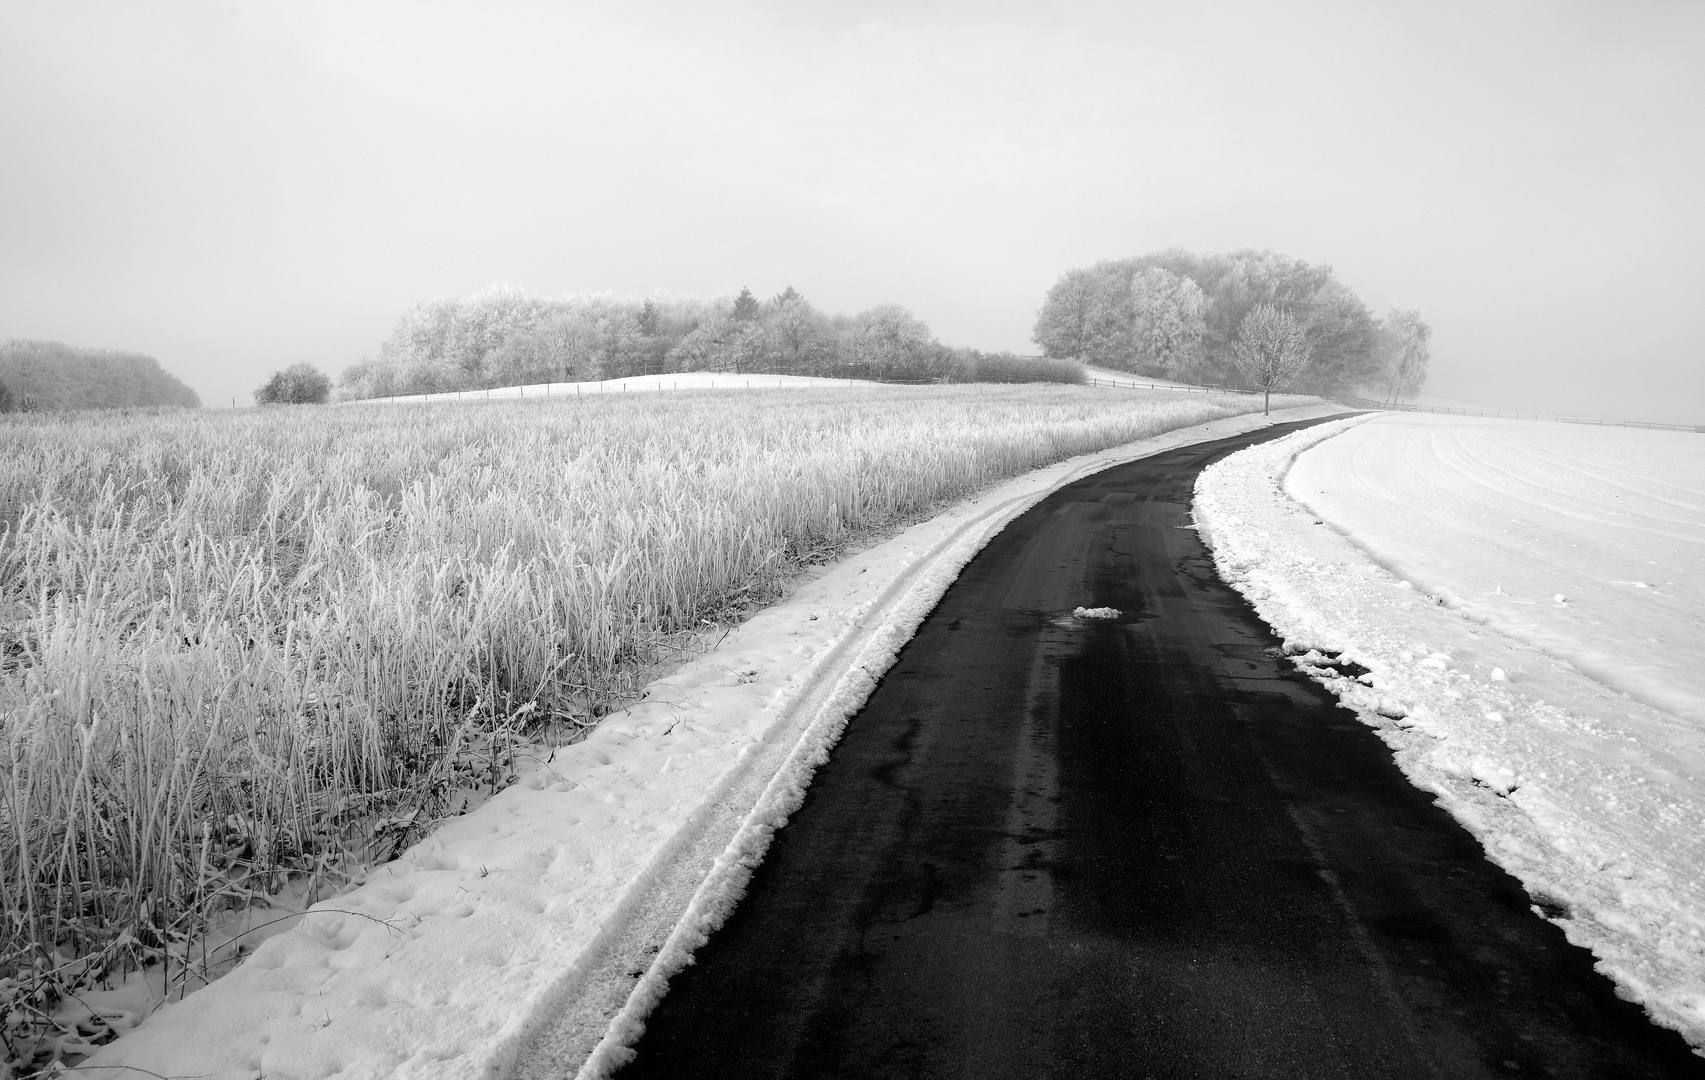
1179, 315
504, 336
49, 375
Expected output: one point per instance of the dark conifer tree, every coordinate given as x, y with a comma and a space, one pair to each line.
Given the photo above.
745, 306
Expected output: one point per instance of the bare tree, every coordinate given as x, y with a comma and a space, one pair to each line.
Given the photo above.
1270, 350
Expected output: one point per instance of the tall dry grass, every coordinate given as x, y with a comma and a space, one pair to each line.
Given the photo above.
239, 645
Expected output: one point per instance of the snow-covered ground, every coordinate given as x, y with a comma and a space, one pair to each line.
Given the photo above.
1109, 377
686, 380
1585, 542
1526, 600
554, 913
714, 380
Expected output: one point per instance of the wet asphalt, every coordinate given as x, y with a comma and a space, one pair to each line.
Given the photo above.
1139, 847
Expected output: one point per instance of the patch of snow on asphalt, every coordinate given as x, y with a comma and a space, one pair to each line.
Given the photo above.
1593, 800
1095, 613
532, 935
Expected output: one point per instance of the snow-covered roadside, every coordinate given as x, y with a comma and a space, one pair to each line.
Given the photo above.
1595, 802
567, 900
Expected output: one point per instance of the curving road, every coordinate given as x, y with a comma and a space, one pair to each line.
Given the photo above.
1062, 847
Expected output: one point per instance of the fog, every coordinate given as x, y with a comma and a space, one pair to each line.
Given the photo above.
233, 187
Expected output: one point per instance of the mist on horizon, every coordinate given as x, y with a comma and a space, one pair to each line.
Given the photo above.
233, 187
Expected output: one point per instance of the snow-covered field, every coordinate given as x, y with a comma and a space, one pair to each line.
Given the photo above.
1584, 542
1526, 600
715, 380
553, 914
1109, 377
685, 380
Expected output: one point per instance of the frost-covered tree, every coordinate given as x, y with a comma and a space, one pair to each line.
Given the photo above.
746, 307
1169, 311
619, 349
719, 343
1087, 316
560, 347
796, 335
1271, 349
298, 384
1403, 340
888, 341
50, 375
1343, 340
649, 319
1106, 314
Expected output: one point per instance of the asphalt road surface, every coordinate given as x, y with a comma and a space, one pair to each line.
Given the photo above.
1139, 847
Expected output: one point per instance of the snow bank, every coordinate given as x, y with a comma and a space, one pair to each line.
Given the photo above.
1594, 801
534, 934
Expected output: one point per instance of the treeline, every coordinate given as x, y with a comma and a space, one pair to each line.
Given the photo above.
505, 336
1175, 314
49, 375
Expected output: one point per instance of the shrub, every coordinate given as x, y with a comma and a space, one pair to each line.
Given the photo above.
1005, 367
298, 384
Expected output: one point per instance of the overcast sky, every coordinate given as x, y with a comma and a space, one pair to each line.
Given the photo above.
232, 187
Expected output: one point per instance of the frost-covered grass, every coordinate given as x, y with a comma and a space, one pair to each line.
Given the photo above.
241, 646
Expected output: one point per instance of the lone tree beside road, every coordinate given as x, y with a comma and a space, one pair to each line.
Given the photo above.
1270, 350
298, 384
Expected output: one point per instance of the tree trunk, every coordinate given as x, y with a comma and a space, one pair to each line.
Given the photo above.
1266, 398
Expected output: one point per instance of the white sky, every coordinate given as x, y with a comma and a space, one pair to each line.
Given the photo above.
235, 186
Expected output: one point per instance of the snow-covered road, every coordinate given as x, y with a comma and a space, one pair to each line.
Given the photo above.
1525, 599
